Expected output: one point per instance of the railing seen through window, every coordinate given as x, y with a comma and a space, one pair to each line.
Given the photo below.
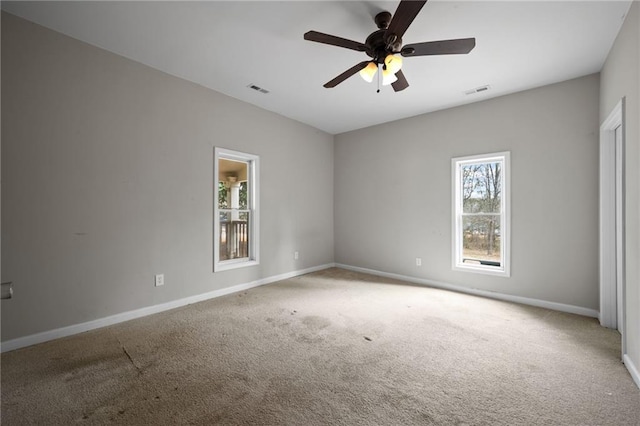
236, 213
232, 207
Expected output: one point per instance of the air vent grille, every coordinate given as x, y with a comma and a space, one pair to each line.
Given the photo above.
257, 88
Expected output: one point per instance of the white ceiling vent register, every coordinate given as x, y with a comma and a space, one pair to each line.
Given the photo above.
257, 88
478, 90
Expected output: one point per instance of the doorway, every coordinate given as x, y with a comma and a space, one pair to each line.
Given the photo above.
612, 244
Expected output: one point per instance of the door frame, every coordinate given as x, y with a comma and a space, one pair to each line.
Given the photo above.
612, 208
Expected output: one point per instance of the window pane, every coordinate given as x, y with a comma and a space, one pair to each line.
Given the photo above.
232, 184
243, 195
236, 217
222, 196
481, 187
481, 240
481, 214
234, 235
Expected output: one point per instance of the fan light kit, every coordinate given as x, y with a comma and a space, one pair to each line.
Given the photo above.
384, 45
392, 65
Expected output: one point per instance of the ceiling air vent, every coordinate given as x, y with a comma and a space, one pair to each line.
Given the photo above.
478, 90
258, 88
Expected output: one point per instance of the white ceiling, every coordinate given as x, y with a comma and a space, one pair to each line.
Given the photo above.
227, 45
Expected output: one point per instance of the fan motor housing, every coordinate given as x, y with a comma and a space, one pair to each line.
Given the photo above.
378, 48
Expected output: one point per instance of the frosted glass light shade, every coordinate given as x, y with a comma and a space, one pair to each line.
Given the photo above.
393, 63
388, 77
368, 72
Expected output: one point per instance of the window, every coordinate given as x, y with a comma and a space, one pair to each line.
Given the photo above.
236, 210
481, 213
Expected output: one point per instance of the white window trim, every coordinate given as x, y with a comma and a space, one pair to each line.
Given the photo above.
504, 270
253, 206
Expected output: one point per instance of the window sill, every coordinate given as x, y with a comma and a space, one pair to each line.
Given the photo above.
234, 264
486, 270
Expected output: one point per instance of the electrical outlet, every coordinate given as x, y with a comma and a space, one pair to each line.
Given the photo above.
296, 255
159, 280
418, 261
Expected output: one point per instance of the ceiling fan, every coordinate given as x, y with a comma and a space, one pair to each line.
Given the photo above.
383, 45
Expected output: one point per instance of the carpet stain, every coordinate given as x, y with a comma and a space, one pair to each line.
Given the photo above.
309, 339
316, 322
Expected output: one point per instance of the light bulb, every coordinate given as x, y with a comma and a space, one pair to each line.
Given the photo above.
393, 63
369, 71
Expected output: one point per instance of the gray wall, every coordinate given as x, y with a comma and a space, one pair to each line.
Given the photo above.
107, 180
620, 77
393, 191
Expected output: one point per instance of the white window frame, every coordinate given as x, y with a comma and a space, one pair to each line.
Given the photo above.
252, 205
504, 270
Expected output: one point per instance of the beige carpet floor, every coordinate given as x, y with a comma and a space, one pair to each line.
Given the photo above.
329, 348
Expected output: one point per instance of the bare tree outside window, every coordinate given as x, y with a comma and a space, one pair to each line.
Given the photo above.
479, 225
481, 189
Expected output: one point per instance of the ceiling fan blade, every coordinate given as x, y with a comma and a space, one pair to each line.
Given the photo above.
405, 14
345, 75
334, 41
401, 83
442, 47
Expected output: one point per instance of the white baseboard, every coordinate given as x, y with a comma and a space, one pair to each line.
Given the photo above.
45, 336
633, 370
484, 293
